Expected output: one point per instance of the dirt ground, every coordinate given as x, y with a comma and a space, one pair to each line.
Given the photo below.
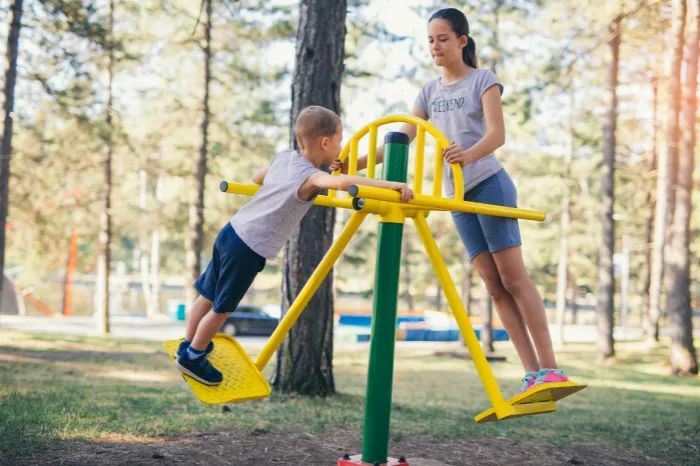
262, 447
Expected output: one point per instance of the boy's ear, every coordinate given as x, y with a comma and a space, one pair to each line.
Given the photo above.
324, 142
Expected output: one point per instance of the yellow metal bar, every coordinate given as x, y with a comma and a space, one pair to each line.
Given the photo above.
437, 179
352, 169
439, 203
372, 152
465, 326
418, 166
306, 293
251, 189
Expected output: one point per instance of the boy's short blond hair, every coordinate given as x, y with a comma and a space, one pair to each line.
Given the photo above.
314, 122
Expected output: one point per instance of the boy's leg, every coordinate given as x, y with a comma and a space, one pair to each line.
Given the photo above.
199, 309
208, 326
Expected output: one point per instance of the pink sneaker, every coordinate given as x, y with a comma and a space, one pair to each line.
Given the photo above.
550, 376
527, 382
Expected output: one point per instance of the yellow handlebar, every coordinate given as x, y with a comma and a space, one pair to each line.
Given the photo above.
439, 203
350, 153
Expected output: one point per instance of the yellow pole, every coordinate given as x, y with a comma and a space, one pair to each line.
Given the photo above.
441, 203
465, 326
299, 304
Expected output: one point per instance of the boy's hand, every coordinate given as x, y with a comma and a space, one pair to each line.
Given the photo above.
338, 165
406, 192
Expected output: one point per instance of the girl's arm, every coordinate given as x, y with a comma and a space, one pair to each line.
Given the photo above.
494, 137
343, 182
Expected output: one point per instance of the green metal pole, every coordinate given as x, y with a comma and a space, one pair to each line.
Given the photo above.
375, 442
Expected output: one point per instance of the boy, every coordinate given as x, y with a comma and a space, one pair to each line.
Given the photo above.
259, 230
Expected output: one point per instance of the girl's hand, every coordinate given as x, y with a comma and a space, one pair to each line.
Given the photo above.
454, 154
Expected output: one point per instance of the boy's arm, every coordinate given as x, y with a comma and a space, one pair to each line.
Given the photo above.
259, 175
343, 182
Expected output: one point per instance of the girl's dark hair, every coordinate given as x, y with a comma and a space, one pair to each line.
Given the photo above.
460, 26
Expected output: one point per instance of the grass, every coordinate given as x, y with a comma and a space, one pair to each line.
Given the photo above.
55, 387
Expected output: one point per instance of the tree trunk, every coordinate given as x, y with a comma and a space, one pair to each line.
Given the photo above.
467, 288
105, 236
683, 355
606, 281
11, 54
486, 336
196, 224
563, 266
650, 201
305, 359
668, 171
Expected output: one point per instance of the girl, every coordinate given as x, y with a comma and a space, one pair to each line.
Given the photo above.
465, 104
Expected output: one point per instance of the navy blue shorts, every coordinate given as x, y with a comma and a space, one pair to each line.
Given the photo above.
231, 271
486, 232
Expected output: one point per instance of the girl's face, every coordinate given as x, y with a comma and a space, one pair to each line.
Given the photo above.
445, 46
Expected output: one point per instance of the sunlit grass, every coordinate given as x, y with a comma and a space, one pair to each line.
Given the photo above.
88, 388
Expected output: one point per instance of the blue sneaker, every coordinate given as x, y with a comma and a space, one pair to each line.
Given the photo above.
527, 382
199, 369
186, 344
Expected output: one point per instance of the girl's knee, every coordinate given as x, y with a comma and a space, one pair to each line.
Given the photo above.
515, 285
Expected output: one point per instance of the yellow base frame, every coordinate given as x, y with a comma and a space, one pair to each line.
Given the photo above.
539, 399
243, 381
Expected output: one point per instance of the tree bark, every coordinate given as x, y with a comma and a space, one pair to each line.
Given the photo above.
606, 281
105, 236
683, 354
668, 171
305, 359
650, 201
563, 266
11, 54
196, 223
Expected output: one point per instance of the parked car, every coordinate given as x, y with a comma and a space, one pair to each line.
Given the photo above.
249, 320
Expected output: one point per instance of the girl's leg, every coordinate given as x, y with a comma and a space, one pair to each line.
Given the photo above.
517, 282
508, 311
199, 309
209, 325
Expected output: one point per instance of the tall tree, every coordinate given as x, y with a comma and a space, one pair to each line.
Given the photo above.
104, 238
667, 171
683, 356
650, 201
565, 223
11, 54
606, 279
196, 225
305, 359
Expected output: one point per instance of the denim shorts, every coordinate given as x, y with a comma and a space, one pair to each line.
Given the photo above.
480, 233
230, 273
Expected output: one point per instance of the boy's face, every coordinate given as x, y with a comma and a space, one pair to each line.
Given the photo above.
331, 145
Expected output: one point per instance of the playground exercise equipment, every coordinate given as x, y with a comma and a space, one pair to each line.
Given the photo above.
236, 365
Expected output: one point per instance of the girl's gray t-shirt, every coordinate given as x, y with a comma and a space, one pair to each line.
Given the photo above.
457, 111
269, 219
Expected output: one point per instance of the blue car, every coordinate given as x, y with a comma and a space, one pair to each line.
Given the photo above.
249, 320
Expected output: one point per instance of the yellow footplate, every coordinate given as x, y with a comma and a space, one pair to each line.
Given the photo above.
538, 400
242, 379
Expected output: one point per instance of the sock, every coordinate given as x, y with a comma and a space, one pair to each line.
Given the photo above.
193, 353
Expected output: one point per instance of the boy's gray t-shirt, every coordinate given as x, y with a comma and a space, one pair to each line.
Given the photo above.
457, 111
269, 219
